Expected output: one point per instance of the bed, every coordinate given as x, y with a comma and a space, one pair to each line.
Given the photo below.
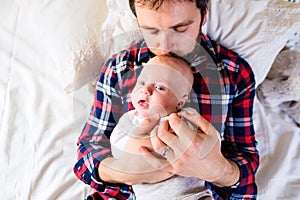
50, 53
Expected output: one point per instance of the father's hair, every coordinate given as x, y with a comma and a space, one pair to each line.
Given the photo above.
201, 4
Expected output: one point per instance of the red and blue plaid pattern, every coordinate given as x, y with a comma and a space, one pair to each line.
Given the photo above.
224, 98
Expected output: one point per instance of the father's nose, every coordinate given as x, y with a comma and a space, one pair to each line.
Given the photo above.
165, 43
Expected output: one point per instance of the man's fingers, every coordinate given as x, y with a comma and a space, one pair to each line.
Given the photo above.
165, 134
156, 142
209, 142
161, 140
181, 128
180, 138
197, 120
153, 160
212, 136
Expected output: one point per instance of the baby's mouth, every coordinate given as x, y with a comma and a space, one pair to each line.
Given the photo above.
143, 103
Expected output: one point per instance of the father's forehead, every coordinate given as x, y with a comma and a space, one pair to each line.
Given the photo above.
167, 11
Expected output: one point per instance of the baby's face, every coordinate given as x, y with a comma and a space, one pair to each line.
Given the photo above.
159, 90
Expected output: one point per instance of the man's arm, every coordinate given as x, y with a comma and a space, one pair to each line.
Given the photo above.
239, 144
93, 143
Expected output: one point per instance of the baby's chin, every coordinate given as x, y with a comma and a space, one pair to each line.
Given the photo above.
153, 112
157, 111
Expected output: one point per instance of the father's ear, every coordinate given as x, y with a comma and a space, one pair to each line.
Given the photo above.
204, 18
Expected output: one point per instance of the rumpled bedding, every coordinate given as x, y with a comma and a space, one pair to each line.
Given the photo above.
40, 124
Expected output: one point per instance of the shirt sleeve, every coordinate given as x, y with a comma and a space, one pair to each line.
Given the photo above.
239, 144
93, 143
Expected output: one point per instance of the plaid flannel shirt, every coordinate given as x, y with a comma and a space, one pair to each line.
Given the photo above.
224, 98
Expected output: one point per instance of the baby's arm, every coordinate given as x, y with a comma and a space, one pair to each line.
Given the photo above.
126, 138
134, 143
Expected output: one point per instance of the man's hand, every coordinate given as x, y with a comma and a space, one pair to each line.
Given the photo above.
194, 153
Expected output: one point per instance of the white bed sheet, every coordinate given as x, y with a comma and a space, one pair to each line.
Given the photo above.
40, 123
38, 132
278, 176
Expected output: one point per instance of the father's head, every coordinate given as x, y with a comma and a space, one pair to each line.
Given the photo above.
170, 25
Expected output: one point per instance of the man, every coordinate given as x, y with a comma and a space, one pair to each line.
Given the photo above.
228, 169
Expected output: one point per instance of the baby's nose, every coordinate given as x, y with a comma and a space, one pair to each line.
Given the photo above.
147, 89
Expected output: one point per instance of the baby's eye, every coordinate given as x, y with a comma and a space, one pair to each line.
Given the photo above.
160, 87
141, 82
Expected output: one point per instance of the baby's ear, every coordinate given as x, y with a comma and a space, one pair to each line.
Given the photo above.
184, 99
182, 102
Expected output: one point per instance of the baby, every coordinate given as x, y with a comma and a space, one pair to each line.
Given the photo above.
162, 88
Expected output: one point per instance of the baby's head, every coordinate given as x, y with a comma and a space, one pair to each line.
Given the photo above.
163, 86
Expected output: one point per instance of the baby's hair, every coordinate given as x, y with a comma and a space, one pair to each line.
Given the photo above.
182, 66
177, 58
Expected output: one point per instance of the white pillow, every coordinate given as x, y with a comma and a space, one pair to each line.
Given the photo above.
257, 30
119, 20
70, 31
